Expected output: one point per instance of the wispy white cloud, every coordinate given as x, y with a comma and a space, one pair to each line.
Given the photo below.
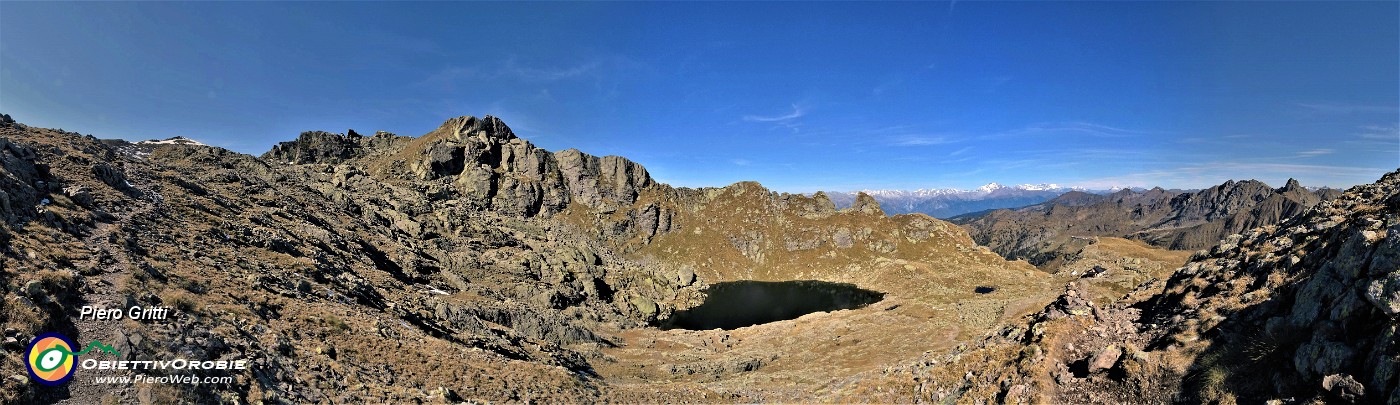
514, 69
797, 112
741, 162
960, 151
1070, 128
1382, 132
1315, 152
1348, 108
921, 140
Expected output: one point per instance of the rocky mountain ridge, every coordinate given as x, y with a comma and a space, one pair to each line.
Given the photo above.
1303, 311
1170, 219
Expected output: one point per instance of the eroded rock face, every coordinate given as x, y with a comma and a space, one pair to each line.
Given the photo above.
1384, 292
815, 207
483, 163
19, 178
604, 183
316, 147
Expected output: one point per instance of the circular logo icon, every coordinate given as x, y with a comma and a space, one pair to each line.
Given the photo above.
50, 359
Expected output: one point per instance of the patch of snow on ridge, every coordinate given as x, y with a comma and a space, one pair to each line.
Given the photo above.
179, 140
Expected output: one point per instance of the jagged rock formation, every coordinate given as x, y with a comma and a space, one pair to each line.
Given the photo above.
1166, 218
326, 147
1303, 311
349, 269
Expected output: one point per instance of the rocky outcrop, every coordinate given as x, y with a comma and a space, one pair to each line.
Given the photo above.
482, 163
330, 148
316, 147
22, 181
602, 183
866, 204
815, 207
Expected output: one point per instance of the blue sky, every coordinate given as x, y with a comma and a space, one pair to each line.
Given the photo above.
799, 96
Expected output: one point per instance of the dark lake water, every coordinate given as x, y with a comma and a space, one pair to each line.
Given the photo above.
737, 304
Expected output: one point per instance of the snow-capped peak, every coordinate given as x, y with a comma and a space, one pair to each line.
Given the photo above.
1039, 187
990, 187
986, 189
179, 140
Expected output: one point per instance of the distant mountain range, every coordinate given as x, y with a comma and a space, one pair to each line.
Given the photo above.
950, 202
1173, 219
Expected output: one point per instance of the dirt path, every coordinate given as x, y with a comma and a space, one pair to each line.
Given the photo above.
109, 266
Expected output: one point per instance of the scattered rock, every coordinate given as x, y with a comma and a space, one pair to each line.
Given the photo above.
34, 289
1343, 386
12, 344
79, 195
1105, 359
685, 276
112, 176
1384, 293
843, 238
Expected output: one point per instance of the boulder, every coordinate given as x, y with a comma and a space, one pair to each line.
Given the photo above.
111, 176
865, 204
79, 195
685, 276
1343, 386
843, 238
1105, 359
1384, 293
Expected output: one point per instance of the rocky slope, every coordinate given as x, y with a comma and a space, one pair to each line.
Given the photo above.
1166, 218
1303, 311
464, 264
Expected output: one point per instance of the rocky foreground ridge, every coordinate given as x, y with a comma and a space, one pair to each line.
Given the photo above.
464, 264
1304, 311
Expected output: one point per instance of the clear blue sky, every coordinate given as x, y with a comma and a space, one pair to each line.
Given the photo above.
799, 96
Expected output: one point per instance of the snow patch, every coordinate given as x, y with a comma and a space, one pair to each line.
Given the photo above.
179, 140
